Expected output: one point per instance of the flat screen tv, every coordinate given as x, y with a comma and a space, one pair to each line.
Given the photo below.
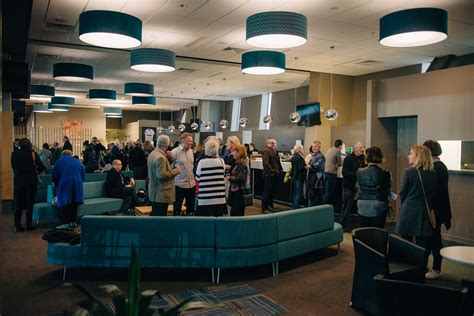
310, 114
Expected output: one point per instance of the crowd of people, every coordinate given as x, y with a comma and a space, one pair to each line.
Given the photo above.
211, 177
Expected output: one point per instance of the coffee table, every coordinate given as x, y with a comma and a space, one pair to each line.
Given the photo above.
460, 254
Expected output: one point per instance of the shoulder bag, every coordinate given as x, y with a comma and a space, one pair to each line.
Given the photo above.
431, 213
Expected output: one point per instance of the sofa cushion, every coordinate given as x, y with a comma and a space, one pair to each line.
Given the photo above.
99, 205
308, 243
304, 221
249, 231
246, 257
165, 257
94, 189
148, 231
45, 211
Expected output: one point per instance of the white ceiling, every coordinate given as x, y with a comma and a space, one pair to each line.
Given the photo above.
203, 29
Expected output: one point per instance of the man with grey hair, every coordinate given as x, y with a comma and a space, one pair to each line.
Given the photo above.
183, 157
161, 190
271, 174
352, 163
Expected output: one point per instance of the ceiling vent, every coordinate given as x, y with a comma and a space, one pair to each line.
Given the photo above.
47, 56
58, 27
234, 50
186, 70
368, 63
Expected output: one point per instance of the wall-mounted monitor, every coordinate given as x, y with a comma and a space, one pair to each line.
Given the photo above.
310, 114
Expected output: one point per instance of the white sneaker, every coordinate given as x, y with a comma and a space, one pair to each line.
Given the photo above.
433, 274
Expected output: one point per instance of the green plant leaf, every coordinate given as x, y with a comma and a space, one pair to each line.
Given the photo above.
117, 296
133, 284
145, 300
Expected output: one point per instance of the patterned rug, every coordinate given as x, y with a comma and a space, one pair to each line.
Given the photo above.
238, 299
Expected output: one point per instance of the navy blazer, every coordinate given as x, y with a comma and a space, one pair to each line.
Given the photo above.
414, 219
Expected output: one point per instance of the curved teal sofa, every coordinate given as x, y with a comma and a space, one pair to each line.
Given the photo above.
199, 242
46, 180
95, 201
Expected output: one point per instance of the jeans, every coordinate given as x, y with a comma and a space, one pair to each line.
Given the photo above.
372, 221
159, 209
330, 181
297, 193
24, 195
236, 203
67, 213
269, 191
181, 194
347, 204
436, 245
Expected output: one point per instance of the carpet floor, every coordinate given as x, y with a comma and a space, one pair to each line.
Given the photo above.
317, 283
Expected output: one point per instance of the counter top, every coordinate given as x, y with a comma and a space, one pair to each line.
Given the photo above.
257, 164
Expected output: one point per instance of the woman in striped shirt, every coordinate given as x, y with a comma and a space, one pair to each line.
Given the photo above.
210, 178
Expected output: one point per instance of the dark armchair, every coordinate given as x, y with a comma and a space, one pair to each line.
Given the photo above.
400, 298
378, 252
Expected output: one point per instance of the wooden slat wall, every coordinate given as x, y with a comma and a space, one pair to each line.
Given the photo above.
41, 135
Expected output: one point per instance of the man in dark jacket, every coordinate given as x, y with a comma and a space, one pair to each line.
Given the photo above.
137, 161
121, 187
98, 147
271, 174
352, 163
90, 162
67, 144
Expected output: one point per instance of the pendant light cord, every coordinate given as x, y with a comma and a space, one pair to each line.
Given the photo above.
332, 70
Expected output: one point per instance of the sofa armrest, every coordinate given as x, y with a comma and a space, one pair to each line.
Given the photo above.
50, 193
402, 250
369, 259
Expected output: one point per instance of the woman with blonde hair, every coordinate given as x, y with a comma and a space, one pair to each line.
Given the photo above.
416, 194
237, 178
298, 175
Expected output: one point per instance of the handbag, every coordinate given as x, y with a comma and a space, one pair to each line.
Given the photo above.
431, 213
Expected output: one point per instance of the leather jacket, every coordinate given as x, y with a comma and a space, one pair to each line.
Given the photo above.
374, 183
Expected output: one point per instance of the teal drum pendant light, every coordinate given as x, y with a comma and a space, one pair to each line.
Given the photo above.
41, 108
414, 27
110, 29
41, 91
144, 100
58, 108
277, 29
153, 60
138, 89
102, 95
73, 72
65, 101
263, 63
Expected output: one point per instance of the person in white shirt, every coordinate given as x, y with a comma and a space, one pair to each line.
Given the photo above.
183, 157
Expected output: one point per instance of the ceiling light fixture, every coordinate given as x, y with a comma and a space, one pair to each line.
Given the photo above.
41, 108
113, 116
277, 29
41, 91
73, 72
110, 29
102, 95
66, 101
153, 60
112, 111
58, 108
414, 27
263, 63
144, 100
331, 114
137, 89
